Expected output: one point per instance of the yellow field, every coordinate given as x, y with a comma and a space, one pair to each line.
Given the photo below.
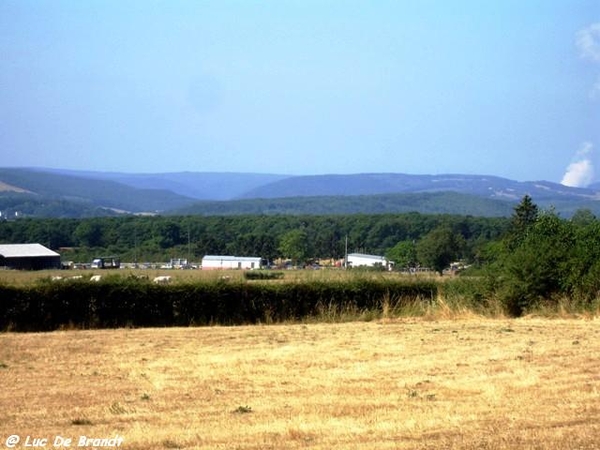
393, 384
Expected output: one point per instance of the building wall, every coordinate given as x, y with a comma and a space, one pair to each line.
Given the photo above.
356, 261
31, 262
215, 264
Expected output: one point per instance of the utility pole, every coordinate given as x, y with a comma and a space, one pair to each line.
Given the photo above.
346, 254
135, 257
189, 262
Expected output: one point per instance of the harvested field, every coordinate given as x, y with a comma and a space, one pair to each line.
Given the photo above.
394, 384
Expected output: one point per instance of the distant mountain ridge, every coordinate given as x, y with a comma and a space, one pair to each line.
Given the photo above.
386, 183
84, 193
197, 185
422, 202
36, 185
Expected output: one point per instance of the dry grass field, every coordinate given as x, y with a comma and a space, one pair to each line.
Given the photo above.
20, 277
23, 277
392, 384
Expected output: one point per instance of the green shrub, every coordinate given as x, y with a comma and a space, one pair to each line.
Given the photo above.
262, 275
122, 302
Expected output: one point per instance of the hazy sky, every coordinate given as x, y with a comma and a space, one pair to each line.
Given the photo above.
506, 87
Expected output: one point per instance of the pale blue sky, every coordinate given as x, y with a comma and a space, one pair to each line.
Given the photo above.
507, 87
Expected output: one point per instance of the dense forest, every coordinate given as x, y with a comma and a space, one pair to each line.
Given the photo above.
161, 238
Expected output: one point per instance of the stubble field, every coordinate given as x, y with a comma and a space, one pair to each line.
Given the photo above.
392, 384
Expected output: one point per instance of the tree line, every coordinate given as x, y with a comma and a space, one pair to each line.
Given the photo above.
544, 259
302, 238
535, 257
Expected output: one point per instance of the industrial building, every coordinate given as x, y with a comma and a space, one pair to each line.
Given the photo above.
211, 262
28, 257
360, 259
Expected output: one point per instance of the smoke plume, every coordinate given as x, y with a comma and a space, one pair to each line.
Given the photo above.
580, 172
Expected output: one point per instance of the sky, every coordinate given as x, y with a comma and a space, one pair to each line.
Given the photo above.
509, 88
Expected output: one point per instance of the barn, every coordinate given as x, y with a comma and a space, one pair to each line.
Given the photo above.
28, 257
360, 259
212, 262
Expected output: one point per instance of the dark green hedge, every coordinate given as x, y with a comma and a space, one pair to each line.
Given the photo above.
122, 303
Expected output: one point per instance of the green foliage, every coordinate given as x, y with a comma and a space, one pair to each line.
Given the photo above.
546, 260
404, 254
263, 275
95, 193
524, 216
312, 237
534, 258
396, 203
583, 271
583, 217
294, 245
89, 233
121, 302
440, 247
35, 205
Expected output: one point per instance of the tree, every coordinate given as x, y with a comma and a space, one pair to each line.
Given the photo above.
327, 239
167, 232
537, 268
583, 217
404, 254
524, 216
89, 233
584, 266
525, 213
440, 247
294, 245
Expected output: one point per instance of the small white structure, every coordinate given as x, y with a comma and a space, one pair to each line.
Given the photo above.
360, 259
216, 262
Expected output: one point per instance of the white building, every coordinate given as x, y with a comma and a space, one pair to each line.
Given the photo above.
360, 259
212, 262
28, 257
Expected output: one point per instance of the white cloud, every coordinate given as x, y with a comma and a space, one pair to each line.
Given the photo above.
588, 42
580, 172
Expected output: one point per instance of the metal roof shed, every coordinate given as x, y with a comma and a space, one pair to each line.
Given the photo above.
360, 259
28, 257
231, 262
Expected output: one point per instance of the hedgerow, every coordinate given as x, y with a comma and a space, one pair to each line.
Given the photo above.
125, 302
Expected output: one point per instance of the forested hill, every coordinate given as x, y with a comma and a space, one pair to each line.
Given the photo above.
426, 203
45, 194
60, 193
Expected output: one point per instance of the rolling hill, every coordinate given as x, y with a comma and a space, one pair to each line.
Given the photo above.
89, 194
66, 193
386, 183
425, 202
197, 185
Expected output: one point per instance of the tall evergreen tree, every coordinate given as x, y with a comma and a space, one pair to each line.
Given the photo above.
524, 216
